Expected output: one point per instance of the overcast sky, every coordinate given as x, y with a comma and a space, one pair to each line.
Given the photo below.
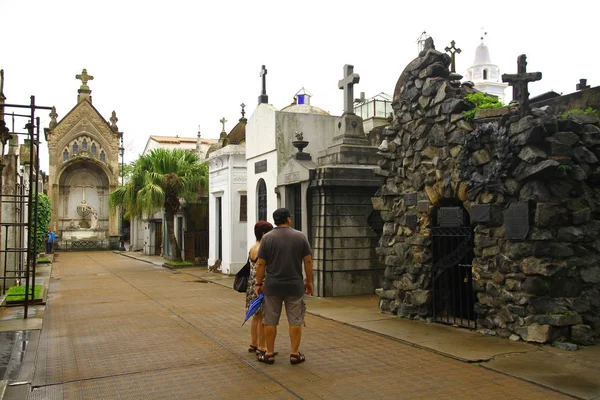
166, 67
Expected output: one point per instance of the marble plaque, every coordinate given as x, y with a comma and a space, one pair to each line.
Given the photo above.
516, 221
260, 166
410, 199
480, 213
450, 217
423, 206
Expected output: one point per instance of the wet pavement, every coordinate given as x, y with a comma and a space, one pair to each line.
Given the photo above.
117, 327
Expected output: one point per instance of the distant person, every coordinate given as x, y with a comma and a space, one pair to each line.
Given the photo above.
50, 239
257, 329
281, 255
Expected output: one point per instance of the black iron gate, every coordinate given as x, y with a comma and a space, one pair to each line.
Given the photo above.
453, 296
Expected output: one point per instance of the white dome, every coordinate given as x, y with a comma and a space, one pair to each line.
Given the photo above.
482, 55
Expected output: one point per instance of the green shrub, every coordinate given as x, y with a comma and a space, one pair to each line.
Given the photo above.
43, 260
587, 111
481, 102
44, 213
17, 293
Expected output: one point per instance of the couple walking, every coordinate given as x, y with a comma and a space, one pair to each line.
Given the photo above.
276, 270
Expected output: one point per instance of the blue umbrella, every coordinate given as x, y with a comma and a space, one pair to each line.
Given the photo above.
254, 306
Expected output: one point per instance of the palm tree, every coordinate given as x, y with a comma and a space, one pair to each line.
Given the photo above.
162, 179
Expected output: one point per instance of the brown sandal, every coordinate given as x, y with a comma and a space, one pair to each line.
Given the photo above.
259, 352
297, 358
252, 349
267, 358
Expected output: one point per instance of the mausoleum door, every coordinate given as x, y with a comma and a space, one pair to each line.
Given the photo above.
83, 200
261, 197
452, 251
296, 206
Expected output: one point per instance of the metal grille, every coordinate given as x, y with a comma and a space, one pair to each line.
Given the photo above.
453, 296
262, 200
82, 245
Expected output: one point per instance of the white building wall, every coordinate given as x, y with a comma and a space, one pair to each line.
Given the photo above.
227, 181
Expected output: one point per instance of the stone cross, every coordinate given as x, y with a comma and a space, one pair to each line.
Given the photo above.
263, 98
84, 78
519, 83
453, 50
2, 98
243, 112
83, 187
223, 120
347, 84
582, 85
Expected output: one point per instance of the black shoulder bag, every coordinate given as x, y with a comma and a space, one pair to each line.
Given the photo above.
240, 283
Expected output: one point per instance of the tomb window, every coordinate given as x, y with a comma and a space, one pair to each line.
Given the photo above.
485, 74
243, 208
102, 156
84, 144
94, 149
75, 148
65, 155
262, 200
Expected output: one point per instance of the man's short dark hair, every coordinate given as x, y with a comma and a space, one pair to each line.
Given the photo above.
281, 215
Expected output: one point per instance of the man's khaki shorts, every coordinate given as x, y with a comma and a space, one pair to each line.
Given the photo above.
294, 309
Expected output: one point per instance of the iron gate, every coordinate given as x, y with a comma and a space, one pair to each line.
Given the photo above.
453, 295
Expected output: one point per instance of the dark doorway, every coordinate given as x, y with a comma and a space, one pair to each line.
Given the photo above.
219, 205
297, 219
158, 237
188, 239
452, 245
262, 200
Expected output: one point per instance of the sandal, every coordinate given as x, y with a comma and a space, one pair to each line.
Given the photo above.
252, 349
259, 352
297, 358
267, 358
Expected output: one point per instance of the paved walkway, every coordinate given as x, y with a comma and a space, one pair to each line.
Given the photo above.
117, 327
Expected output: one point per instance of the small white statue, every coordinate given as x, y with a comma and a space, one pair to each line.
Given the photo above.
94, 219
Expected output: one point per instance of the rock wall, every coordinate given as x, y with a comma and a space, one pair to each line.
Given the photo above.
534, 182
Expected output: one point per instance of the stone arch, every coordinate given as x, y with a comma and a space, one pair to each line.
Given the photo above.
83, 182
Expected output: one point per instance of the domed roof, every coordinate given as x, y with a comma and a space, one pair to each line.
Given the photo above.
482, 55
304, 109
213, 147
238, 133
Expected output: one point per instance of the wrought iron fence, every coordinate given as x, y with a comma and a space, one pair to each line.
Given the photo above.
82, 245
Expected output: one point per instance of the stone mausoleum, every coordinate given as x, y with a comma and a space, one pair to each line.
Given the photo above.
492, 223
84, 169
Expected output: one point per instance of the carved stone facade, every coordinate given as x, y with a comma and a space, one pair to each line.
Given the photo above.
83, 169
493, 224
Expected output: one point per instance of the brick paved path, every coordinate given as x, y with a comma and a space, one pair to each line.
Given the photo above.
118, 328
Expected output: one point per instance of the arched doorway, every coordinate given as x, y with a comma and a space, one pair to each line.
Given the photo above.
452, 251
261, 200
82, 217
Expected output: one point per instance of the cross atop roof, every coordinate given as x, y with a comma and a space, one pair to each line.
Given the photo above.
347, 84
263, 98
222, 121
84, 78
519, 83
